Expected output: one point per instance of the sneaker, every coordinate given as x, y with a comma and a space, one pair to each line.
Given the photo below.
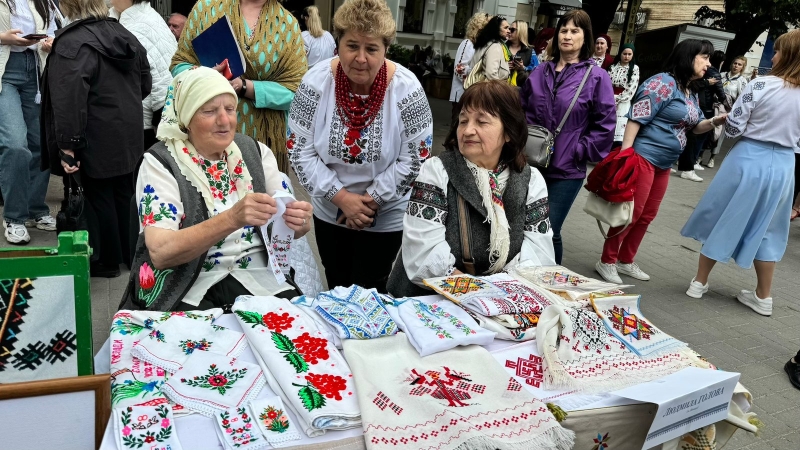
762, 306
699, 167
632, 270
691, 176
793, 370
710, 164
696, 290
46, 223
672, 170
608, 272
16, 233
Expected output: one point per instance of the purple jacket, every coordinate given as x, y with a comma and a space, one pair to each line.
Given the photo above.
589, 131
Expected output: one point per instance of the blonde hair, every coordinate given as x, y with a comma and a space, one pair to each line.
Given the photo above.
371, 17
522, 33
476, 24
313, 22
788, 66
83, 9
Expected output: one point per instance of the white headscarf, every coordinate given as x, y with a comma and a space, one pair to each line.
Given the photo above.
492, 196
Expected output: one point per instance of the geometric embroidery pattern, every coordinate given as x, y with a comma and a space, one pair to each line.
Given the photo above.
452, 386
732, 131
629, 324
360, 315
461, 285
428, 202
737, 112
537, 216
747, 98
61, 347
14, 297
530, 369
513, 385
382, 401
758, 85
641, 109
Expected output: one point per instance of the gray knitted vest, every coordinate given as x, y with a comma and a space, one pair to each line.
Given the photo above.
170, 286
462, 182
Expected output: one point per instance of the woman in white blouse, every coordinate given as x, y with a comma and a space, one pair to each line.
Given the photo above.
745, 212
319, 43
733, 83
463, 57
483, 173
625, 79
359, 129
204, 193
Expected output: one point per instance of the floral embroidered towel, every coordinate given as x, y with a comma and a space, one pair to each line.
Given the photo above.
171, 343
623, 318
209, 383
354, 312
465, 288
151, 427
436, 327
579, 353
459, 399
559, 279
302, 367
236, 429
273, 421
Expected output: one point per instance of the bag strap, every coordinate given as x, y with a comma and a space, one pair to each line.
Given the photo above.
574, 100
603, 232
466, 238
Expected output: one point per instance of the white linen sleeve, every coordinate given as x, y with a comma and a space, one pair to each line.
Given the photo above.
273, 177
159, 198
426, 253
537, 243
316, 177
416, 140
740, 113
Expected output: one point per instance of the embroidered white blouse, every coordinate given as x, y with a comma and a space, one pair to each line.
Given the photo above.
426, 253
733, 86
461, 64
765, 103
242, 253
318, 49
619, 78
382, 160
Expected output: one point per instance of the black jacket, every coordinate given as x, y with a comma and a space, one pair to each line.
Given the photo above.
92, 89
708, 94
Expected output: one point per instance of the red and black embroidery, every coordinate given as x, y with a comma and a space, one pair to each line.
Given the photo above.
449, 385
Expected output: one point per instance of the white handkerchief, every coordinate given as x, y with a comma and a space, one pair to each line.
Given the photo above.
171, 343
150, 427
209, 383
237, 429
273, 421
281, 237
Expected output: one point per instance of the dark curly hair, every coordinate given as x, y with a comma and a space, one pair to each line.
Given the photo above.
490, 32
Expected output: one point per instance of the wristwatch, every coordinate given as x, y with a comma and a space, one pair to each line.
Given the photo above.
242, 90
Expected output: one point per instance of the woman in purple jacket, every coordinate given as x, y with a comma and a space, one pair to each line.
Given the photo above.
588, 132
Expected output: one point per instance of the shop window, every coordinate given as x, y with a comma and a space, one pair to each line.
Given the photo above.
413, 16
463, 14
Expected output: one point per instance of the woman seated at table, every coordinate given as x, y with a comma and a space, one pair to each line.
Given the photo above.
203, 192
506, 200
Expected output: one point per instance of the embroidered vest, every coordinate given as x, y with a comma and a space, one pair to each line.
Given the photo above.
462, 182
163, 289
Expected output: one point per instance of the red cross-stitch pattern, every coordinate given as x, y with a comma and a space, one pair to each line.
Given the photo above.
530, 369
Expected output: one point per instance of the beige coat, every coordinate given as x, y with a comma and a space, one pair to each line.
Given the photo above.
5, 25
495, 66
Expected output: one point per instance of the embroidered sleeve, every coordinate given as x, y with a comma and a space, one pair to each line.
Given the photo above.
653, 95
537, 244
630, 88
416, 140
316, 177
159, 198
740, 114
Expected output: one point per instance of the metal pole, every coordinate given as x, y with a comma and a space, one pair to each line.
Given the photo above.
629, 26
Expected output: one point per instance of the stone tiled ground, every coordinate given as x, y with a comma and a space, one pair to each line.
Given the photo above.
727, 333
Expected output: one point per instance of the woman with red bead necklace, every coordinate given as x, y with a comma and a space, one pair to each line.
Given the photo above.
359, 129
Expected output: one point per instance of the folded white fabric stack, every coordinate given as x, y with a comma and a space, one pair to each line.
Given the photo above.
151, 427
302, 367
352, 313
175, 339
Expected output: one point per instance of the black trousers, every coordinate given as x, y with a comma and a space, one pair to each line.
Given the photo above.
356, 257
110, 198
223, 294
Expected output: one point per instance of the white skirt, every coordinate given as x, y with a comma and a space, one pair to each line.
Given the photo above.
622, 120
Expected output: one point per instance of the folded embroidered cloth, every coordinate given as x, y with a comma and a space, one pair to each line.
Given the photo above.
209, 383
460, 399
174, 340
436, 327
502, 332
521, 298
274, 422
148, 426
623, 318
302, 367
152, 318
237, 429
559, 279
465, 288
354, 312
580, 354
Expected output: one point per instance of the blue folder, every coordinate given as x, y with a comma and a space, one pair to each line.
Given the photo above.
217, 43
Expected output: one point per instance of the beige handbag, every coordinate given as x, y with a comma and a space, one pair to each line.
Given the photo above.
614, 214
476, 75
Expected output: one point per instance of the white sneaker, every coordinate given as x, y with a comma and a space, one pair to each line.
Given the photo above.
632, 270
46, 223
608, 272
691, 176
697, 166
672, 170
759, 305
710, 164
696, 290
16, 233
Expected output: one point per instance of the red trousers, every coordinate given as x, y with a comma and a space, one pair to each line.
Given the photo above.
650, 189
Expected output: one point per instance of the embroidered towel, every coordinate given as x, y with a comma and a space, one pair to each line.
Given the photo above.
171, 343
463, 288
436, 327
209, 383
273, 421
302, 367
521, 298
152, 318
504, 333
579, 353
623, 318
354, 312
148, 426
459, 399
237, 429
559, 279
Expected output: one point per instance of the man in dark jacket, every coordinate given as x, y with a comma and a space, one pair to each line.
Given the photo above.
93, 85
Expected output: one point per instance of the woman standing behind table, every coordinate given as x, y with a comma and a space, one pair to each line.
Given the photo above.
733, 82
625, 79
588, 132
461, 64
602, 52
523, 61
270, 40
359, 129
319, 44
490, 47
663, 110
745, 212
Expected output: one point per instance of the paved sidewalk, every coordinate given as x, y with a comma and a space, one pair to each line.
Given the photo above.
718, 327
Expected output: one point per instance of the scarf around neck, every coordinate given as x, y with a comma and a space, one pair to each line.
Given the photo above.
491, 185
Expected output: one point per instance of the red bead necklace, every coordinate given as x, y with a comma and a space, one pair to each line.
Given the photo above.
357, 113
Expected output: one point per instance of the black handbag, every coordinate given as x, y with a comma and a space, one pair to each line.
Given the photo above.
77, 214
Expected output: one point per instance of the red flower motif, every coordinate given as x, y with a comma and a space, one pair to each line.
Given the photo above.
147, 278
328, 385
424, 153
148, 220
312, 348
351, 136
195, 160
185, 150
244, 416
290, 142
217, 380
149, 439
215, 172
355, 151
277, 323
225, 422
272, 415
238, 169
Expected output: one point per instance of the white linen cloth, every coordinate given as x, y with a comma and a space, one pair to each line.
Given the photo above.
179, 337
274, 423
779, 103
302, 367
237, 429
209, 383
460, 399
149, 426
352, 313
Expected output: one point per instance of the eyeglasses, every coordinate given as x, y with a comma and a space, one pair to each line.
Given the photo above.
512, 30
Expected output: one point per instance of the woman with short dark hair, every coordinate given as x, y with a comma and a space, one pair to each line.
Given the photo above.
506, 200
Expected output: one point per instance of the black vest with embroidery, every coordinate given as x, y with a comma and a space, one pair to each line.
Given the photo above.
164, 290
461, 181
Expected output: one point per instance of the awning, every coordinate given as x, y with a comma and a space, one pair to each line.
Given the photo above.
570, 3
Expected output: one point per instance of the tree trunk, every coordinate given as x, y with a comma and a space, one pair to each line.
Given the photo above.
744, 39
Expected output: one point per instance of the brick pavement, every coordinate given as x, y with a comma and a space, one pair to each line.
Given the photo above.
718, 327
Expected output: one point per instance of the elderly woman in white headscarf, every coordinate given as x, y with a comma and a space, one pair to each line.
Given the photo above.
203, 194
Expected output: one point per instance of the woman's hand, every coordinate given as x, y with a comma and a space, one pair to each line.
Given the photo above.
11, 37
47, 45
254, 209
298, 217
354, 210
67, 167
